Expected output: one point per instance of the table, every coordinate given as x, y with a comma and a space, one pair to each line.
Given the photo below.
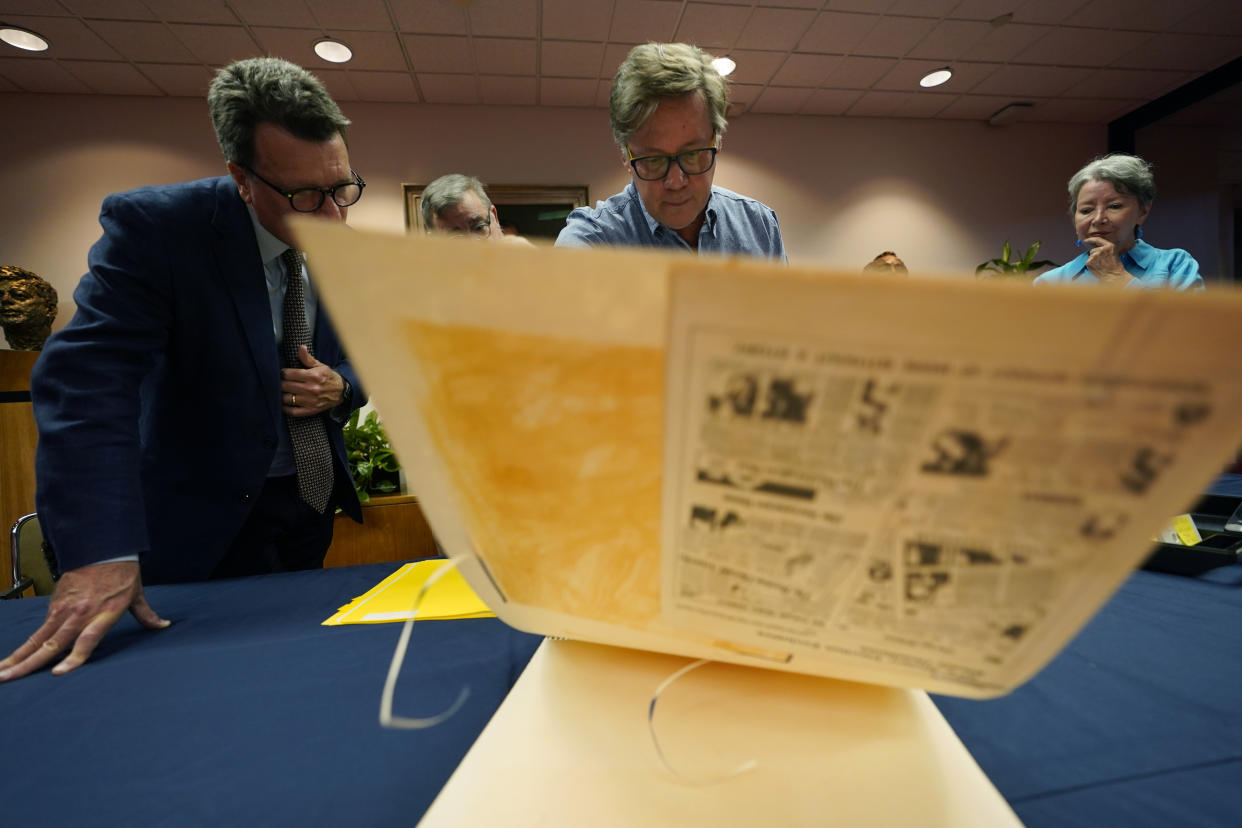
246, 711
1137, 723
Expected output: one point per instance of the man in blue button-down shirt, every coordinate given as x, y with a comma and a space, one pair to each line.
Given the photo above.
668, 116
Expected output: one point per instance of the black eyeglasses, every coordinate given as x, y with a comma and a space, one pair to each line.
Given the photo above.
310, 199
655, 167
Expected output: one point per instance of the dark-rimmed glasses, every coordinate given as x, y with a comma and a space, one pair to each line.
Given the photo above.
310, 199
655, 167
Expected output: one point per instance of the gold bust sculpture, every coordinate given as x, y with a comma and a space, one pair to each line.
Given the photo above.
27, 308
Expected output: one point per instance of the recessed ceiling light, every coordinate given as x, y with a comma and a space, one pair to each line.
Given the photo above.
333, 51
724, 66
23, 39
936, 78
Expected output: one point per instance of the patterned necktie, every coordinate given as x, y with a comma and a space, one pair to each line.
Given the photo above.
312, 453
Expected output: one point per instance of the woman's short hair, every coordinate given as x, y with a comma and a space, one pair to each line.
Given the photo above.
1128, 173
246, 93
655, 71
446, 191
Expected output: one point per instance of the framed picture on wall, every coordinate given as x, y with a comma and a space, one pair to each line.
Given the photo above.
534, 211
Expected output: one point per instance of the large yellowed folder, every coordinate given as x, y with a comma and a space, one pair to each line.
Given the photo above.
570, 747
927, 483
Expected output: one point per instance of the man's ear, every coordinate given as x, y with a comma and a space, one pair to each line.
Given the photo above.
497, 231
242, 181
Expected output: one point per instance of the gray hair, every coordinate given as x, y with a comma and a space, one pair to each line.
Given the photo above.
446, 191
1130, 174
248, 92
655, 71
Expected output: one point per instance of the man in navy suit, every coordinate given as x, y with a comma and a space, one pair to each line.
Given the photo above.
165, 408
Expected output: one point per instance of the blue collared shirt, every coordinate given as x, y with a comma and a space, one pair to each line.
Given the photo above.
733, 224
1150, 266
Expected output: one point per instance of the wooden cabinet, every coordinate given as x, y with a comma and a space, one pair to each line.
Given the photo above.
17, 446
394, 529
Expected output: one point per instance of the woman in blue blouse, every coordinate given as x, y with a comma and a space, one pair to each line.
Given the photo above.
1110, 199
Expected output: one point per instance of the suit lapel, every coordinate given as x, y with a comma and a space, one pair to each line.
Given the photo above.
240, 269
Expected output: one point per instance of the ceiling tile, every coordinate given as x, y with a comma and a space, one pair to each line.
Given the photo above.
877, 104
567, 92
275, 13
1031, 81
503, 18
191, 11
781, 100
7, 86
614, 54
109, 9
384, 86
69, 38
1144, 15
435, 53
643, 20
448, 89
339, 85
870, 6
743, 93
974, 107
291, 44
108, 78
775, 28
712, 26
894, 36
504, 56
1219, 17
571, 59
859, 72
378, 51
216, 44
1146, 84
335, 16
802, 4
806, 70
34, 75
429, 18
1047, 11
507, 91
905, 76
923, 105
1002, 43
830, 101
142, 41
178, 80
836, 32
982, 9
755, 67
1082, 47
950, 40
1199, 53
602, 91
922, 8
577, 19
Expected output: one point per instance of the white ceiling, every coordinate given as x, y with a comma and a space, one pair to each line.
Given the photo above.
1077, 61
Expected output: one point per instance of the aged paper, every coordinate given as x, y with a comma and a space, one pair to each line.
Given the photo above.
929, 483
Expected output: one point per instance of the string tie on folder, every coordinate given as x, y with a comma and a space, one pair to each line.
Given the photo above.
386, 717
689, 779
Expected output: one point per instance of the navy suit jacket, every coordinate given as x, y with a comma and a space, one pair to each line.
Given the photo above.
158, 405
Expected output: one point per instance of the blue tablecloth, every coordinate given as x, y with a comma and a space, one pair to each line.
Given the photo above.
1137, 723
246, 711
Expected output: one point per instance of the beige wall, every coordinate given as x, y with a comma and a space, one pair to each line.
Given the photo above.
944, 195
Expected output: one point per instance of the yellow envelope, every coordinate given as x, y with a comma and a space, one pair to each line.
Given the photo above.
392, 599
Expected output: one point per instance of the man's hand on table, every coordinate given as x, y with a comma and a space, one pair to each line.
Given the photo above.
86, 604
